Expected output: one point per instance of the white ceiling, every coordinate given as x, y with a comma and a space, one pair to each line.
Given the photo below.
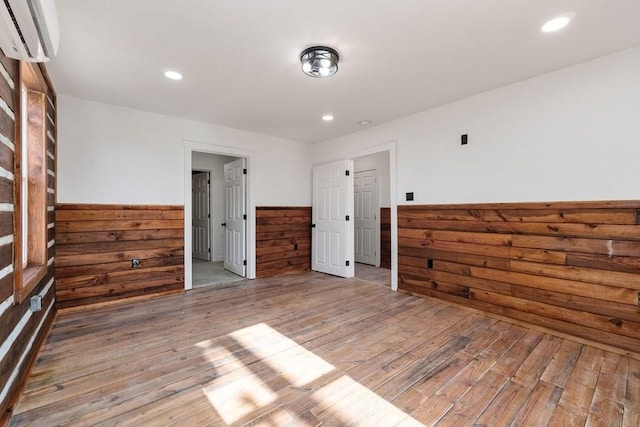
240, 58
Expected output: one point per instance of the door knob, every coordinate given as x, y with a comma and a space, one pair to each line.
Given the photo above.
224, 224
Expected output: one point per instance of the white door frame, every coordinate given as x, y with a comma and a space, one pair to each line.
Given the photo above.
391, 147
189, 147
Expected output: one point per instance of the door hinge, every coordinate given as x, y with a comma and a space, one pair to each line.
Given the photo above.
347, 217
346, 173
244, 216
208, 181
209, 250
244, 171
244, 262
347, 263
208, 215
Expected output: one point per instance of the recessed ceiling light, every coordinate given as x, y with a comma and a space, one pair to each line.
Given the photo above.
364, 122
557, 23
327, 117
173, 75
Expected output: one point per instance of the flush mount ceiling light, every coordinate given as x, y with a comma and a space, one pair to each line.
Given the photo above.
319, 61
557, 23
327, 117
173, 75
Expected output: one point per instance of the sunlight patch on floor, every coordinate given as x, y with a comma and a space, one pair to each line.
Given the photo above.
297, 364
242, 390
354, 404
239, 393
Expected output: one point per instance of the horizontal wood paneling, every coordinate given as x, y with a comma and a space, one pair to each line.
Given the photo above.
21, 330
385, 237
573, 267
283, 240
6, 157
6, 122
95, 246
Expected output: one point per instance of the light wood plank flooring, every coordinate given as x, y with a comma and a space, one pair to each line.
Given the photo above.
315, 350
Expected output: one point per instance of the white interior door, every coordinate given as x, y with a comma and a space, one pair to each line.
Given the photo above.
366, 226
201, 218
332, 219
235, 216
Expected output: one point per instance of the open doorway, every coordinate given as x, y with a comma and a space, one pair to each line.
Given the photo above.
332, 222
372, 217
218, 219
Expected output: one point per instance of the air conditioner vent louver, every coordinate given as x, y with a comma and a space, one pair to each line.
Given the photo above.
29, 29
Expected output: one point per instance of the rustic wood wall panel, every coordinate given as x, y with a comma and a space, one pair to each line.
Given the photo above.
96, 244
385, 237
283, 240
573, 267
21, 330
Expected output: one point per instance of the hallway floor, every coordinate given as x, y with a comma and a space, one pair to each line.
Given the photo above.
206, 273
371, 273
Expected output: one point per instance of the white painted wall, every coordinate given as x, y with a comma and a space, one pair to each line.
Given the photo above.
111, 154
573, 134
215, 164
379, 162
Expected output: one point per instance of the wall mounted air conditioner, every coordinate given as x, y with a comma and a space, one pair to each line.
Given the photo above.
29, 29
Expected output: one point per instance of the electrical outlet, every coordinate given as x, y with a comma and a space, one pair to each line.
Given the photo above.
35, 303
135, 263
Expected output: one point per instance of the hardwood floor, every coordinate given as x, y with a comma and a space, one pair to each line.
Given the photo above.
311, 350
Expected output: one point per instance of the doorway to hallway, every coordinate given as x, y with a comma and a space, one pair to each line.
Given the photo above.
218, 215
372, 232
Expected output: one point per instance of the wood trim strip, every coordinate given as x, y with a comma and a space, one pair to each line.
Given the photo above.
385, 237
598, 204
83, 206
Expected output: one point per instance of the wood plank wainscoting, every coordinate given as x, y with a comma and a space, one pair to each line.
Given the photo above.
22, 330
385, 237
572, 267
96, 246
283, 240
